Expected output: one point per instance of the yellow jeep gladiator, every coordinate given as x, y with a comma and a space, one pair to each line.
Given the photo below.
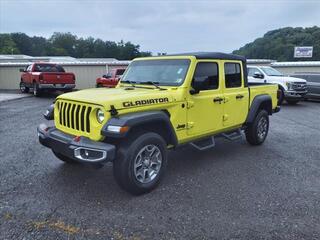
160, 103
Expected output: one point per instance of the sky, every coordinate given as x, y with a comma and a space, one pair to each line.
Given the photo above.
160, 26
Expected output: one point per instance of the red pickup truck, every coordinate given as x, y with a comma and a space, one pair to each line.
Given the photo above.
44, 77
111, 79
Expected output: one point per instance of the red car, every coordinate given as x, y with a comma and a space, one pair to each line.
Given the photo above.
44, 77
111, 79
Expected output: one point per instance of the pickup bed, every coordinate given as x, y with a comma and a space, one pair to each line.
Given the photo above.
44, 77
161, 103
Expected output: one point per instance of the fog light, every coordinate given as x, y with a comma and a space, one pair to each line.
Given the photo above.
90, 155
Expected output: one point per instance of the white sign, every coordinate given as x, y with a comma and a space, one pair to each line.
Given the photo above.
303, 52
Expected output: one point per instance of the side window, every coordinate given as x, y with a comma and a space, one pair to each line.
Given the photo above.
120, 72
206, 76
252, 71
29, 68
232, 73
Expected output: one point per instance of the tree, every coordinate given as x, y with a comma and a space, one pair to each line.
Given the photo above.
7, 45
67, 44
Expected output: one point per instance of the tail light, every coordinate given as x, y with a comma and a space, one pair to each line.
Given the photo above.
41, 77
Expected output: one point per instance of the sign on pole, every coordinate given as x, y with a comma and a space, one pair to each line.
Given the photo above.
303, 52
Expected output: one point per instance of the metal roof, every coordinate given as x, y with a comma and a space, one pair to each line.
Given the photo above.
297, 64
12, 64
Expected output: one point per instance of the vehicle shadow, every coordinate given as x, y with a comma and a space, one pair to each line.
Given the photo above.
183, 163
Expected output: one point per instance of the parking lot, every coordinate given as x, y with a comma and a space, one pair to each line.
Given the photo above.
234, 191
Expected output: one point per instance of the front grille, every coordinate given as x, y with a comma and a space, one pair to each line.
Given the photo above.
74, 116
299, 86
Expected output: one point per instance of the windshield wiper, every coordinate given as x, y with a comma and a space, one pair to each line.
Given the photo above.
130, 82
156, 84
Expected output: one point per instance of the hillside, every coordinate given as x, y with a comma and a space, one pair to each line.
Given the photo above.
279, 44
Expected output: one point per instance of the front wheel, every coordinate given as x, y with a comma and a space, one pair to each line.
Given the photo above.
292, 102
141, 163
23, 88
257, 131
280, 96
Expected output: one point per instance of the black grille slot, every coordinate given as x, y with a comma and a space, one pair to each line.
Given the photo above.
82, 118
88, 119
77, 117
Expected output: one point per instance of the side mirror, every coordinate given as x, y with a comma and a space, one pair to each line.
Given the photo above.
22, 70
197, 85
258, 75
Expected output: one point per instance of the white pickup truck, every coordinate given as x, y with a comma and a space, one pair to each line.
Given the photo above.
291, 89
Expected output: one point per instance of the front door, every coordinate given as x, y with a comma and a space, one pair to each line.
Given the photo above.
236, 95
205, 106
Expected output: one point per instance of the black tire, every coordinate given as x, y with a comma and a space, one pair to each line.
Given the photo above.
23, 87
64, 158
292, 102
99, 85
281, 96
254, 133
36, 90
124, 165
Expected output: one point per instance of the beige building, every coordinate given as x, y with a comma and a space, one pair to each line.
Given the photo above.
297, 67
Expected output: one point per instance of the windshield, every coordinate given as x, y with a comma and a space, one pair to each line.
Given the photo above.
48, 68
271, 71
163, 72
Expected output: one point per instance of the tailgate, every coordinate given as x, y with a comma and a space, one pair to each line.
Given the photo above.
62, 78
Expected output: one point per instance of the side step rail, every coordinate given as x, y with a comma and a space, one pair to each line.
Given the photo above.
232, 136
204, 143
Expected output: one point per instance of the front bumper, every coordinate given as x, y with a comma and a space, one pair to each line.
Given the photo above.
57, 86
80, 149
291, 94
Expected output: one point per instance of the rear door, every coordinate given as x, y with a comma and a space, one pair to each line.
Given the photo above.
236, 95
204, 108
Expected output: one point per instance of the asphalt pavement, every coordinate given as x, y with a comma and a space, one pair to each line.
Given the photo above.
233, 191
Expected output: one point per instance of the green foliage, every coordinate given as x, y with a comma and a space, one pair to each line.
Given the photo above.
279, 44
67, 44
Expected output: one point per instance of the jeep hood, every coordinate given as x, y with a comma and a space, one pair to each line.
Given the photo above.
122, 97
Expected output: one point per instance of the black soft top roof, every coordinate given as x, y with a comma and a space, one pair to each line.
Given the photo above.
212, 55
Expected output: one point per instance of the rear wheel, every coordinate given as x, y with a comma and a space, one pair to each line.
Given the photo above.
257, 131
292, 102
64, 158
36, 90
99, 85
141, 163
280, 96
23, 88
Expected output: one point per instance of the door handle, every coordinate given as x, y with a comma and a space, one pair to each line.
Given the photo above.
218, 99
239, 96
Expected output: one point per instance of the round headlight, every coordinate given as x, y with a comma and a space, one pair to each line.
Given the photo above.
100, 116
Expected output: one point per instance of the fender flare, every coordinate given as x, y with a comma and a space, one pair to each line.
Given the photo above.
141, 119
256, 104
